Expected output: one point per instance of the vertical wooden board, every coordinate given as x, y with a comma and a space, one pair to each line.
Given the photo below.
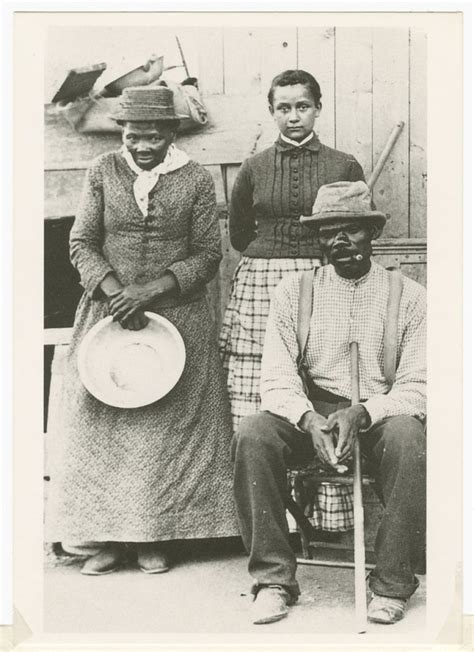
417, 135
210, 46
230, 176
216, 173
230, 260
390, 106
316, 49
242, 60
279, 53
353, 83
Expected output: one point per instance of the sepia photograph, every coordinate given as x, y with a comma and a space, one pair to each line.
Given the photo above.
234, 354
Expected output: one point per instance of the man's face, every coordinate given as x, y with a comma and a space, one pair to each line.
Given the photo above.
147, 142
343, 240
294, 111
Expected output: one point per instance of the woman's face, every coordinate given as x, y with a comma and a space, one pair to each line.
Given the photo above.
294, 110
147, 142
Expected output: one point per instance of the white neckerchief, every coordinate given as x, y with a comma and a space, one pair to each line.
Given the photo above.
295, 143
147, 179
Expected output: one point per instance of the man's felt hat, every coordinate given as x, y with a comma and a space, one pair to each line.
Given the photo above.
146, 104
343, 200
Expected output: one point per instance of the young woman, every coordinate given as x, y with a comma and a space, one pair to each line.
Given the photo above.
145, 237
272, 190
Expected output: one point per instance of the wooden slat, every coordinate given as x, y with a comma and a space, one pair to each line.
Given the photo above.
417, 133
227, 267
353, 84
216, 173
210, 45
279, 53
57, 336
316, 54
242, 60
230, 175
390, 105
62, 191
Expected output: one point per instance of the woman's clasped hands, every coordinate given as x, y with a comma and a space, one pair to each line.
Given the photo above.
126, 306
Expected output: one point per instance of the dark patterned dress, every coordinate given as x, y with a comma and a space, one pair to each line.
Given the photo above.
163, 471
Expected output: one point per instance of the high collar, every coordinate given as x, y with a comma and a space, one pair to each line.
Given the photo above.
313, 145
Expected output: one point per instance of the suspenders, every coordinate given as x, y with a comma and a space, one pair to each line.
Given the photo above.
305, 306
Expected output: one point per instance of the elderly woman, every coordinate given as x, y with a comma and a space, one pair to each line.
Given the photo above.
272, 190
145, 237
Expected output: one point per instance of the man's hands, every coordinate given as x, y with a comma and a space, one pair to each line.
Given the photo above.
333, 437
323, 441
345, 424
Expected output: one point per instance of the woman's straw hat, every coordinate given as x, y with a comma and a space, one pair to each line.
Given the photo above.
146, 104
343, 199
130, 369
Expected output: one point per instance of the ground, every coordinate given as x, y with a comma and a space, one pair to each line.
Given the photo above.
207, 592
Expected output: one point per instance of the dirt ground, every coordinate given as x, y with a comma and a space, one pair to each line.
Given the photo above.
207, 591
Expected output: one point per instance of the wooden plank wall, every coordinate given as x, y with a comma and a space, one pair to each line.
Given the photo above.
370, 80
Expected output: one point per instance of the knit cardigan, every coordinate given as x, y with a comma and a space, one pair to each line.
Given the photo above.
274, 188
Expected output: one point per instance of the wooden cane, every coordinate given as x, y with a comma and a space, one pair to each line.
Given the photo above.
359, 543
392, 139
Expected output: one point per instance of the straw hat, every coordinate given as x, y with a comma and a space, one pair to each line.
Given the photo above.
146, 103
343, 199
130, 369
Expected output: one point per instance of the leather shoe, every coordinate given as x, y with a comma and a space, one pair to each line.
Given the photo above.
152, 558
270, 604
386, 611
106, 561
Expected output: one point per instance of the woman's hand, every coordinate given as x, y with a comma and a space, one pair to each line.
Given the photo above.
129, 300
136, 322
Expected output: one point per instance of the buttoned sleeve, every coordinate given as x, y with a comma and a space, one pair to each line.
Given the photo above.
205, 251
87, 234
281, 387
242, 224
408, 393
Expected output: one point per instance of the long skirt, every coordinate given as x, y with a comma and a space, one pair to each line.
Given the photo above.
241, 344
159, 472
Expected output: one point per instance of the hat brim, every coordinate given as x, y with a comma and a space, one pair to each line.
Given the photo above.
328, 217
146, 117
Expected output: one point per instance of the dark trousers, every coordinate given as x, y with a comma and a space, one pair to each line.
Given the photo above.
264, 447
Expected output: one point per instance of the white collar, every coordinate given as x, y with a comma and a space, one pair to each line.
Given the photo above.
295, 143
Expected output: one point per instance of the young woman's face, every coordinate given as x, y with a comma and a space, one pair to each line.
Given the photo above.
294, 110
147, 142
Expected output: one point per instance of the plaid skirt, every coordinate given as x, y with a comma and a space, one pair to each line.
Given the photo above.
241, 343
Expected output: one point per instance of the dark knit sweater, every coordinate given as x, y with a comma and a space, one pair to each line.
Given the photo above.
276, 186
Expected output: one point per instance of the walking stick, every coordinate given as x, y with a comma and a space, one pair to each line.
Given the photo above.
359, 544
392, 139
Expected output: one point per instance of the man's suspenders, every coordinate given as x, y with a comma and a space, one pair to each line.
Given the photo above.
305, 306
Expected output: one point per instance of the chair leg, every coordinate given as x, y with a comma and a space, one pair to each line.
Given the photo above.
299, 493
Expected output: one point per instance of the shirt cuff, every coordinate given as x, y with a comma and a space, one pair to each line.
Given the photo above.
184, 277
92, 284
376, 409
291, 411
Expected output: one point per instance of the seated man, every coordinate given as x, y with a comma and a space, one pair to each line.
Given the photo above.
349, 304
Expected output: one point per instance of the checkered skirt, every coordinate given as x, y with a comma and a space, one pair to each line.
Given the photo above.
241, 344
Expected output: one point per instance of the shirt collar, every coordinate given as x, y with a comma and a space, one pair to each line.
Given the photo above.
311, 142
354, 282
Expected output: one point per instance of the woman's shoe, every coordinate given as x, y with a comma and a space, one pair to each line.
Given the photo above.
106, 561
152, 558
